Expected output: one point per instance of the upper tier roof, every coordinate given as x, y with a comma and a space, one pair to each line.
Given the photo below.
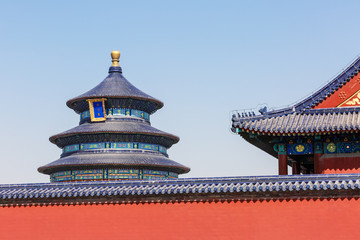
115, 85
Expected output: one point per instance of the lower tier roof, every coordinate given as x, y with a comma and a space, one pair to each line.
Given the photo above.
113, 160
308, 121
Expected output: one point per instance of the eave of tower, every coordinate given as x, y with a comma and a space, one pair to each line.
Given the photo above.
115, 86
133, 128
102, 160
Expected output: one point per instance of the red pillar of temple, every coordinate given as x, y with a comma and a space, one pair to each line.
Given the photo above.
317, 163
295, 168
283, 167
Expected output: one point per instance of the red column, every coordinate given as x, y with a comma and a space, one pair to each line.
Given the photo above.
295, 167
283, 168
317, 163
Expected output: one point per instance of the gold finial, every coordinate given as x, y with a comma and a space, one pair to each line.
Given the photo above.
115, 55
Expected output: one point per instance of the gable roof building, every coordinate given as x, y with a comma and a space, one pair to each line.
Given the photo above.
316, 135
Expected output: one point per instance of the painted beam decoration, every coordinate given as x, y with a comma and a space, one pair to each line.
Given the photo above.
299, 149
97, 109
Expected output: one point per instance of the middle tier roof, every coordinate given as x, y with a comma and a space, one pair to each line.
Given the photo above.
121, 127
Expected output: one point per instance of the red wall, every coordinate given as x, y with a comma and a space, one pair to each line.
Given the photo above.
298, 219
340, 163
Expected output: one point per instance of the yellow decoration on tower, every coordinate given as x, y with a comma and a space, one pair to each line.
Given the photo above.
115, 55
97, 109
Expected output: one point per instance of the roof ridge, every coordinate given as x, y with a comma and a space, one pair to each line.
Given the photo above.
288, 111
201, 180
329, 88
202, 188
318, 96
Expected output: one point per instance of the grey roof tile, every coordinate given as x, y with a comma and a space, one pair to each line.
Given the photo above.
302, 122
114, 127
124, 160
200, 186
115, 85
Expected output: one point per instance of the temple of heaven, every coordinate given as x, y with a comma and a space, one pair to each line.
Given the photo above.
114, 139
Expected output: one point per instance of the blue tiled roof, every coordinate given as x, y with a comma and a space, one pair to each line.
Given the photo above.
200, 187
331, 87
323, 92
115, 85
308, 121
115, 160
115, 127
300, 118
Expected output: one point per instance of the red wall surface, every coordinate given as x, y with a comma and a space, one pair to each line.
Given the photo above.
340, 163
292, 219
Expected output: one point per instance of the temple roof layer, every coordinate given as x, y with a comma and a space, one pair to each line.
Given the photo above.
113, 160
308, 121
115, 127
330, 88
323, 111
222, 188
115, 85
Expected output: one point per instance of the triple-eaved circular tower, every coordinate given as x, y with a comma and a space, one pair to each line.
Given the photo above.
114, 139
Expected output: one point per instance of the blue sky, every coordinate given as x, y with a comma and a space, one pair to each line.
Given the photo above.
203, 59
